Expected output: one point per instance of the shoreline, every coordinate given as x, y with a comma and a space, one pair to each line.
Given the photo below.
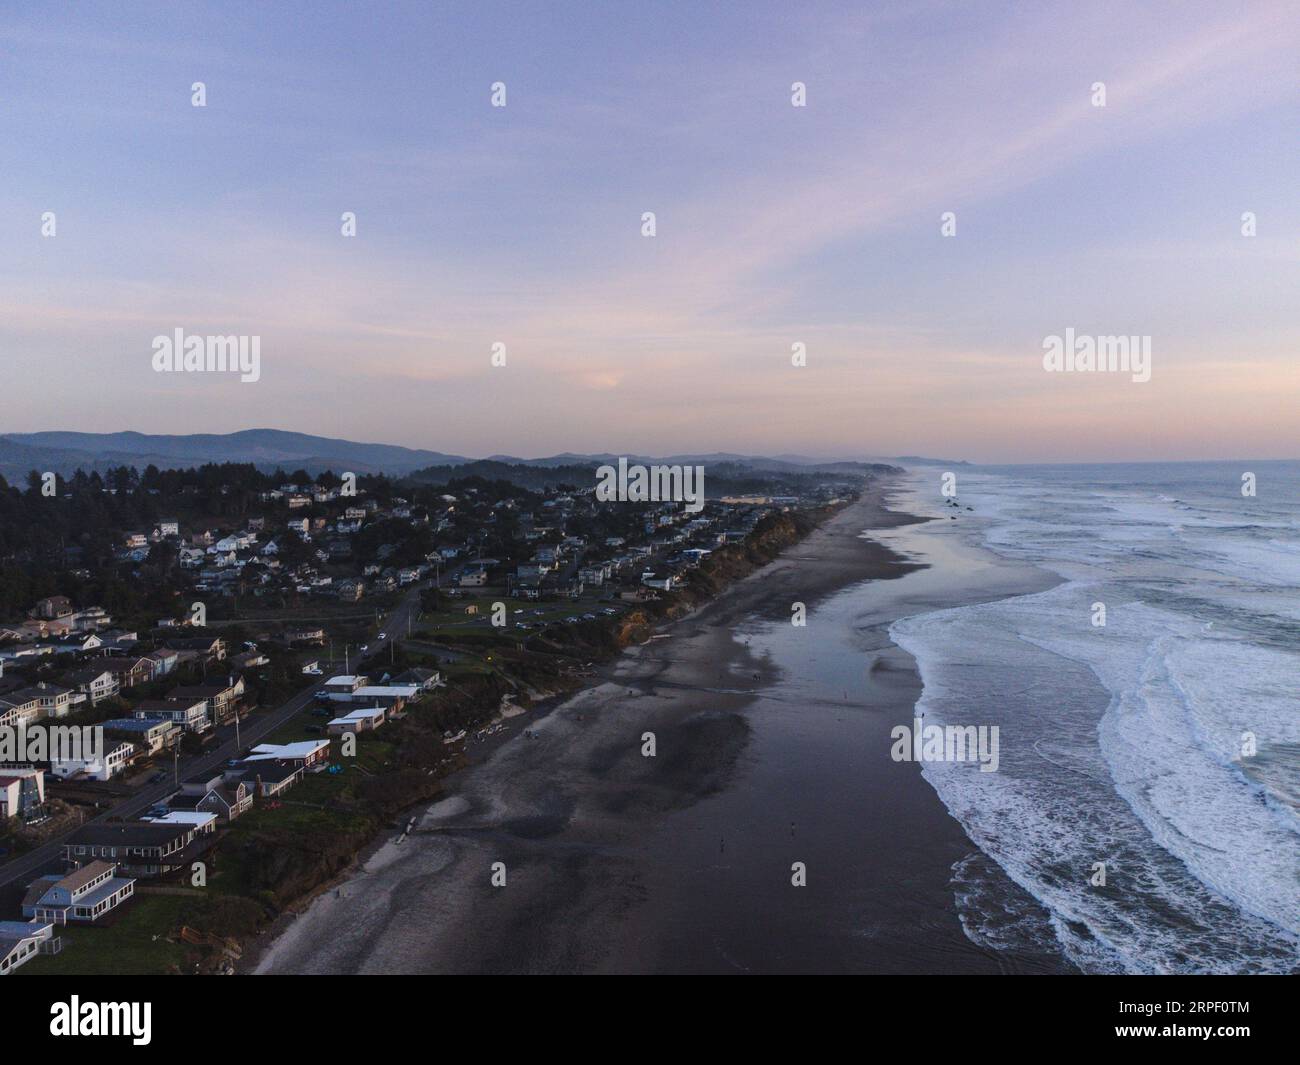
591, 832
507, 727
264, 943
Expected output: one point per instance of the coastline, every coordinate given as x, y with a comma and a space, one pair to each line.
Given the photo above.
616, 862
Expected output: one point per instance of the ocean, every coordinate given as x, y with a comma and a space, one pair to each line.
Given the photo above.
1148, 793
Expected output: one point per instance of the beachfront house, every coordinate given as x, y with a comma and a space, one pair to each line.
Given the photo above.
82, 896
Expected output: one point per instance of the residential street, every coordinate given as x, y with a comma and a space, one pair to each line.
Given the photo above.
46, 858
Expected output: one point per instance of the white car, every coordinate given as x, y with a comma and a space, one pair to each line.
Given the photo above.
313, 672
383, 635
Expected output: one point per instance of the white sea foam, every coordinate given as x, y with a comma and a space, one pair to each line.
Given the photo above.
1122, 744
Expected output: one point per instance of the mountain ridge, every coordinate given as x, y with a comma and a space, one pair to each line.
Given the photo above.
65, 451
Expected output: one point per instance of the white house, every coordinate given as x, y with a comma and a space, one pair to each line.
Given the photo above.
363, 719
96, 684
22, 789
20, 941
114, 759
84, 895
305, 752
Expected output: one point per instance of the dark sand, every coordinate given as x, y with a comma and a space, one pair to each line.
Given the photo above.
772, 748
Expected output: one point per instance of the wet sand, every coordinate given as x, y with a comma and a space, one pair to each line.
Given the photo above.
771, 748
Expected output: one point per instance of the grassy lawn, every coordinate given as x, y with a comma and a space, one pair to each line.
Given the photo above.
134, 944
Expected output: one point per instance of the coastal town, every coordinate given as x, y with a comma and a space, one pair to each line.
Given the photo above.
226, 681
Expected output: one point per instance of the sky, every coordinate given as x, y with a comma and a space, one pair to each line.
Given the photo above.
775, 225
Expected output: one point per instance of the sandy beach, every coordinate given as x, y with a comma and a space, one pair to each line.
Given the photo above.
771, 748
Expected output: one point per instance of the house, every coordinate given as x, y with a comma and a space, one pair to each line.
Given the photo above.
84, 895
189, 714
52, 700
191, 557
56, 606
344, 685
129, 671
305, 752
95, 683
473, 578
93, 617
113, 761
222, 697
162, 662
265, 778
349, 591
248, 660
20, 941
151, 734
77, 644
423, 679
363, 719
202, 821
213, 648
56, 700
20, 708
213, 795
22, 791
393, 696
141, 849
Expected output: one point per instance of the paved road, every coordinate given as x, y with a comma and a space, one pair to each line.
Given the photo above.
46, 857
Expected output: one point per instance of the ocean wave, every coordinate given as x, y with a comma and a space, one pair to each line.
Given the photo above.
1124, 743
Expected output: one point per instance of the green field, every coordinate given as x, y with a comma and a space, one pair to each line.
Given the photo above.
134, 944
